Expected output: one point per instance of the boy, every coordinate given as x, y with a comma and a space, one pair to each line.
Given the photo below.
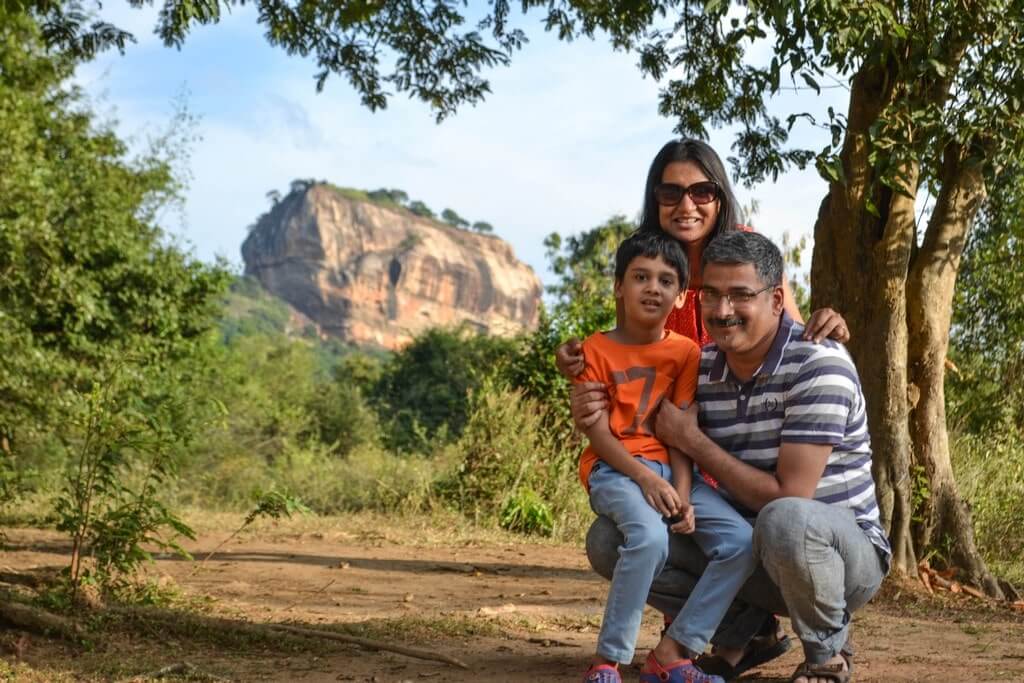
641, 485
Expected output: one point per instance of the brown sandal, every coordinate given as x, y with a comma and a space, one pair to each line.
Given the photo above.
838, 673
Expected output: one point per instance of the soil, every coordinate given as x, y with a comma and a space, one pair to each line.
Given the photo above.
511, 609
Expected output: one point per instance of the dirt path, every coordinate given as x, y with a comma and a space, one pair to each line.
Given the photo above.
513, 611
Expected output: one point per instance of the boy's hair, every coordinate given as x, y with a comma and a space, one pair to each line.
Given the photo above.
652, 245
747, 247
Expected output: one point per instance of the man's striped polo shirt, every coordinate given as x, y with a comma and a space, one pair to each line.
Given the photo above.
802, 393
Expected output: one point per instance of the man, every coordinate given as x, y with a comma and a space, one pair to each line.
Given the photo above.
780, 424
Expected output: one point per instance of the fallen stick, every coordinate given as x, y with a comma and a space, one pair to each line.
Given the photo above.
371, 644
36, 620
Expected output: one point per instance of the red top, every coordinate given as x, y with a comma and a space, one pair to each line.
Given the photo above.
686, 321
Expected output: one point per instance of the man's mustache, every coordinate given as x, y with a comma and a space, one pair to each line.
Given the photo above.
726, 322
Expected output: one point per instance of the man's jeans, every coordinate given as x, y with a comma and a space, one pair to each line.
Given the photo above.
814, 565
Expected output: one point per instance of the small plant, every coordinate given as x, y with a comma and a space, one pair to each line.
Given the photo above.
525, 512
272, 504
123, 441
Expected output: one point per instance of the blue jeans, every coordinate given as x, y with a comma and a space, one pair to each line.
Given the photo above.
815, 565
726, 539
723, 535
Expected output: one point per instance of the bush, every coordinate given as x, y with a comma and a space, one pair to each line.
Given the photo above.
422, 396
989, 470
509, 469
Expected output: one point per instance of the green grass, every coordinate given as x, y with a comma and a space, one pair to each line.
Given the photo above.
989, 470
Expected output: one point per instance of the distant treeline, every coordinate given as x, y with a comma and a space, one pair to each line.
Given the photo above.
393, 198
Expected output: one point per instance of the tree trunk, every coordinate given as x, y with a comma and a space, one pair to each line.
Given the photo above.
945, 518
897, 300
859, 267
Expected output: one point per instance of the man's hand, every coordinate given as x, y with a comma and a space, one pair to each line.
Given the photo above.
686, 523
824, 323
660, 494
587, 400
676, 427
569, 358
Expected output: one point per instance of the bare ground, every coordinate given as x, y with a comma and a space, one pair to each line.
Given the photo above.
512, 610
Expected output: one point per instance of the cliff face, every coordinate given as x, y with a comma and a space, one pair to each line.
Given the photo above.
374, 275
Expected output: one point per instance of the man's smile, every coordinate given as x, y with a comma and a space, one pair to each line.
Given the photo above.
726, 322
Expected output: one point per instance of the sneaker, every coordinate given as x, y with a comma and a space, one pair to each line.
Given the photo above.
602, 673
682, 671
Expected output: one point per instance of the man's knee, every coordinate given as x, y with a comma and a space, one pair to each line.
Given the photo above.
781, 526
603, 541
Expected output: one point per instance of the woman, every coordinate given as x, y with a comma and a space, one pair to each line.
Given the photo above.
688, 196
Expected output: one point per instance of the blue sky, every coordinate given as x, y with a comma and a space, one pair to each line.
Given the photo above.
562, 144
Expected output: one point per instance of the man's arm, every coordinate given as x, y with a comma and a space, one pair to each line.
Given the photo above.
658, 492
797, 472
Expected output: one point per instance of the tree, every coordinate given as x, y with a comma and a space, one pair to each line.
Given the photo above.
987, 340
420, 209
453, 219
935, 106
483, 227
100, 316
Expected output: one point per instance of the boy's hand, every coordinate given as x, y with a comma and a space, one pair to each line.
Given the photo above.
587, 400
660, 494
687, 522
569, 358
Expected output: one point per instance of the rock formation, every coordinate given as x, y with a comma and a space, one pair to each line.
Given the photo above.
373, 274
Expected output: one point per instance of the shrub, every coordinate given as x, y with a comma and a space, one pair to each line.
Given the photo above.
990, 472
510, 470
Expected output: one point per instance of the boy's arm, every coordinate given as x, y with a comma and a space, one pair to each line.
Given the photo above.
657, 491
682, 475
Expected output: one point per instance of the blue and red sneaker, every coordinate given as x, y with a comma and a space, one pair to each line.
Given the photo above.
602, 673
681, 671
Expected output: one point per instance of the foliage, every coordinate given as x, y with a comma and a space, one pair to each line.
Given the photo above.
121, 432
987, 337
422, 395
799, 281
483, 227
453, 219
585, 265
989, 469
421, 209
527, 513
512, 470
101, 319
85, 275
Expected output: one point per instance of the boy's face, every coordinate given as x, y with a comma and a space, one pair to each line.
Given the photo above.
649, 290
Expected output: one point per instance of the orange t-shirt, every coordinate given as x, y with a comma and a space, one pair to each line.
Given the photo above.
638, 377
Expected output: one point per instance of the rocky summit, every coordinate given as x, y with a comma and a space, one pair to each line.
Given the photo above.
374, 274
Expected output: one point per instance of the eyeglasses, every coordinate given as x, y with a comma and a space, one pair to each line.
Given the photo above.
711, 297
670, 194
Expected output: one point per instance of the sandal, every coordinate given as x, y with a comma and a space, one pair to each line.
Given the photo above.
838, 673
761, 649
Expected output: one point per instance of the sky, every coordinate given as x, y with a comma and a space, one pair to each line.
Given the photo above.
562, 144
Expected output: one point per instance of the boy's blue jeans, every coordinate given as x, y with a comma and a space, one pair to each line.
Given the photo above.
721, 532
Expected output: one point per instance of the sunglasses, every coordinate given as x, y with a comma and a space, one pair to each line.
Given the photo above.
670, 194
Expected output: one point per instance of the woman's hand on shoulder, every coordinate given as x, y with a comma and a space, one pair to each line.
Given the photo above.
587, 401
569, 358
826, 323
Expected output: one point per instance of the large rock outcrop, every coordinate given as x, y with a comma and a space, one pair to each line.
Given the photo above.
371, 274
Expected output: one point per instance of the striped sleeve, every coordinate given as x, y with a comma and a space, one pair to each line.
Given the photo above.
820, 399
